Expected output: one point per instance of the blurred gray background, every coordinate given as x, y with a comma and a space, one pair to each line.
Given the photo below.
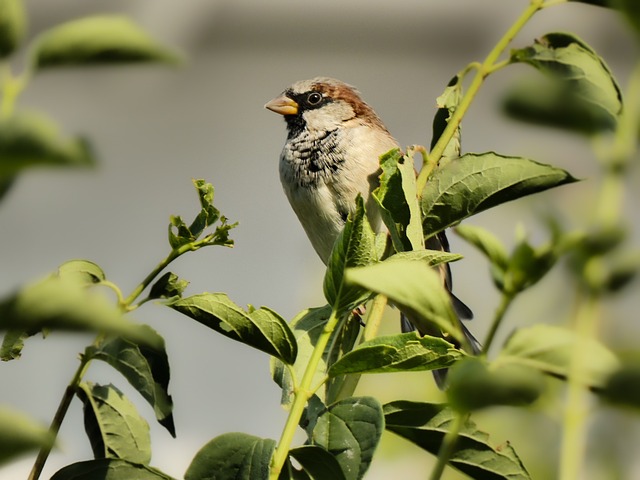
156, 128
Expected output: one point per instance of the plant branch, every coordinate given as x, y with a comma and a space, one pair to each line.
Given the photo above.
486, 68
65, 401
374, 317
301, 395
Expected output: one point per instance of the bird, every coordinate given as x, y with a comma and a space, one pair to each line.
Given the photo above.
330, 156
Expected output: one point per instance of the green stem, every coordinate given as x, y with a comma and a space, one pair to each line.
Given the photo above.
486, 68
576, 406
448, 446
175, 253
302, 394
374, 317
65, 401
505, 302
12, 86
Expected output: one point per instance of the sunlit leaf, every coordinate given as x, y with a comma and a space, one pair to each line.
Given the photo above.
407, 352
354, 247
146, 369
113, 425
414, 287
82, 271
263, 329
477, 182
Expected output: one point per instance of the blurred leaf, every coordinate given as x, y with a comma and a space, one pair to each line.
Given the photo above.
354, 247
447, 104
167, 286
527, 266
477, 182
552, 103
587, 85
425, 425
12, 344
109, 469
407, 352
28, 140
414, 287
474, 385
113, 425
65, 304
398, 202
145, 368
623, 386
20, 434
6, 182
263, 329
12, 26
487, 243
549, 348
82, 271
350, 430
237, 456
317, 462
100, 39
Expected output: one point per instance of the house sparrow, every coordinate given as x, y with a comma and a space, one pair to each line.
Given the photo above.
334, 141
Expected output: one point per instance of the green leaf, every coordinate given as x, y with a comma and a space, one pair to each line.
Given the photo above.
397, 200
527, 266
317, 462
487, 243
28, 140
354, 247
447, 104
179, 233
414, 287
430, 257
12, 344
425, 425
342, 341
208, 214
100, 39
113, 425
109, 469
237, 456
549, 349
477, 182
20, 434
586, 82
167, 286
83, 271
12, 26
263, 329
65, 304
407, 352
474, 384
623, 386
146, 369
350, 430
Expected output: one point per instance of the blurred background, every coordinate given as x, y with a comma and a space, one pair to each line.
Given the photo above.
155, 128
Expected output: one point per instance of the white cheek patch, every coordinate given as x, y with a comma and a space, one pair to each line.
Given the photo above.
329, 116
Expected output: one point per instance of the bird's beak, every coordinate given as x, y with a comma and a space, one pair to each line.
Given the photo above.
282, 105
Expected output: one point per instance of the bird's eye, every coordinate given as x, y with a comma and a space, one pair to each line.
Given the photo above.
314, 98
